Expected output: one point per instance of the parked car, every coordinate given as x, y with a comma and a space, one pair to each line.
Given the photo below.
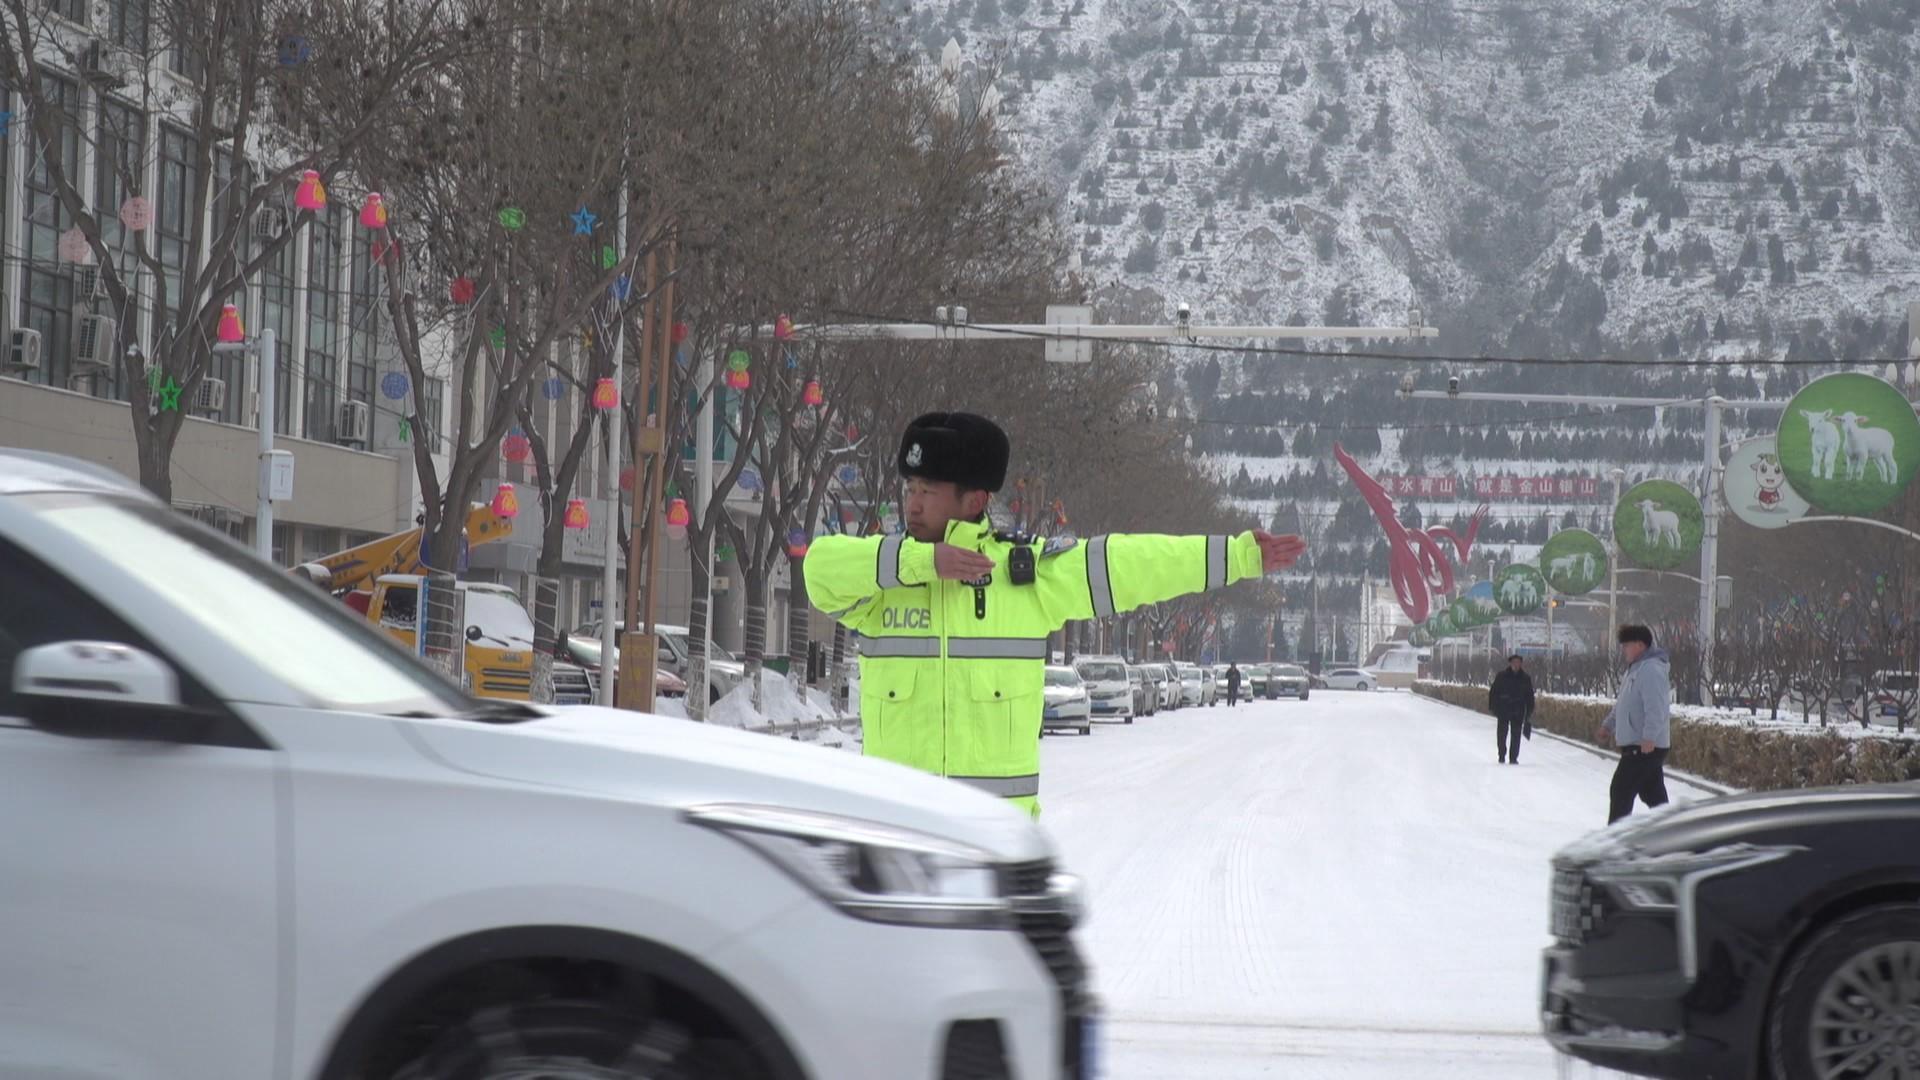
1289, 680
675, 655
1772, 934
199, 739
1351, 679
1192, 690
1065, 706
1256, 681
1146, 695
1891, 693
1170, 691
1109, 690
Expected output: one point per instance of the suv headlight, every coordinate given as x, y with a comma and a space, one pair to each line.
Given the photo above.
868, 870
1661, 883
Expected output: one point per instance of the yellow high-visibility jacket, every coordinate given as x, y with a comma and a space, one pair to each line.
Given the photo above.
951, 674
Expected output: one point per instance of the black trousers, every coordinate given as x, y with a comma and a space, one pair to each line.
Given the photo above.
1506, 735
1233, 696
1638, 774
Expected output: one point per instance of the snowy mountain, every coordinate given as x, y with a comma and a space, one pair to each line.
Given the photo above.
1718, 180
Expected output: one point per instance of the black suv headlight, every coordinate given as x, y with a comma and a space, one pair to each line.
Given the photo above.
1667, 883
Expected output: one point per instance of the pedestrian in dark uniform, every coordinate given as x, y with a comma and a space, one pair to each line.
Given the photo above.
1641, 722
1233, 685
1510, 700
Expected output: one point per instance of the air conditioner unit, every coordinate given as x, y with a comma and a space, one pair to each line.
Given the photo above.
89, 283
93, 344
23, 354
105, 64
355, 419
210, 396
270, 221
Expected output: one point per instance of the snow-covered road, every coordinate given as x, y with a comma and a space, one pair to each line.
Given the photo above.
1345, 888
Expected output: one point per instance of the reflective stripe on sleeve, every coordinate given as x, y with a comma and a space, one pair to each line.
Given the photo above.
1099, 585
1007, 787
1216, 562
996, 648
887, 568
917, 647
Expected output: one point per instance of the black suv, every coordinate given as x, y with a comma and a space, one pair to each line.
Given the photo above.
1758, 936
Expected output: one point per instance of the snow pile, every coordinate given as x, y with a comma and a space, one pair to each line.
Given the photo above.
786, 710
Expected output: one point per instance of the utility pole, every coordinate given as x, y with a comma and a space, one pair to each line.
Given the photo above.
611, 614
1613, 559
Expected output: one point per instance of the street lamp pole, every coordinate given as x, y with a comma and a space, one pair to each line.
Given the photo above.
1613, 559
264, 348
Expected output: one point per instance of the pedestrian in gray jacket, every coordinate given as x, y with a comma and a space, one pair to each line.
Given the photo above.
1641, 722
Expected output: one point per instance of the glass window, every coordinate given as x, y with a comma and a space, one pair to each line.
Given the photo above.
74, 11
1102, 672
177, 209
323, 311
432, 411
127, 24
499, 616
363, 323
1061, 676
46, 285
276, 311
283, 626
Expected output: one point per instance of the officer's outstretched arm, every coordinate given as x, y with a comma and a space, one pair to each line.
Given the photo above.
1111, 574
845, 574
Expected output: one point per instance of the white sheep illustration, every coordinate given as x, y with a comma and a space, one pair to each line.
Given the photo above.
1826, 441
1586, 561
1863, 444
1519, 592
1662, 527
1566, 567
1486, 607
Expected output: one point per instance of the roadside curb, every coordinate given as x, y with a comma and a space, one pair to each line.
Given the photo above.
1687, 778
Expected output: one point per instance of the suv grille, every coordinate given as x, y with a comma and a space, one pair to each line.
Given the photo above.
1571, 905
572, 685
1050, 933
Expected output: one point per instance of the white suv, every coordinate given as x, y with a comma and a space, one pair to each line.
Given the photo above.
248, 837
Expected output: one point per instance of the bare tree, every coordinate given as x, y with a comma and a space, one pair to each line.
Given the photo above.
248, 94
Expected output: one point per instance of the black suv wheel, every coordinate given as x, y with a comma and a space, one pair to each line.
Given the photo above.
1849, 1004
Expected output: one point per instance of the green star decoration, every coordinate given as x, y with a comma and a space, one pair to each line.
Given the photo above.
406, 430
499, 337
170, 395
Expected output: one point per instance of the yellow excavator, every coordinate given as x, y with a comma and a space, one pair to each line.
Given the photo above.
382, 580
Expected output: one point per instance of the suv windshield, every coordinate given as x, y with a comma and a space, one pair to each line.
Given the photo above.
1288, 671
290, 630
1103, 672
1059, 676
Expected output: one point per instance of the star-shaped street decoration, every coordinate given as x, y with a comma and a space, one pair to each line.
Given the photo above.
406, 430
583, 221
170, 395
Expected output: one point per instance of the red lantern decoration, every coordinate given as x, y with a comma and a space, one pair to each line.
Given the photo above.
461, 290
516, 446
782, 328
311, 194
797, 544
626, 478
739, 380
678, 518
680, 332
373, 212
853, 433
606, 395
576, 514
231, 329
813, 395
506, 504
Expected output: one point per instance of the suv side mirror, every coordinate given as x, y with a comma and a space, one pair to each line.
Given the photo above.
98, 690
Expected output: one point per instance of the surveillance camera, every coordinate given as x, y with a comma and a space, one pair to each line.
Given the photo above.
940, 314
1406, 383
1453, 385
1183, 311
959, 316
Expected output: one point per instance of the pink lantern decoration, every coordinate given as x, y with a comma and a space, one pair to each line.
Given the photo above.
782, 328
311, 194
679, 333
606, 395
373, 212
136, 213
739, 380
626, 478
576, 514
74, 248
516, 446
813, 395
231, 329
461, 290
506, 504
678, 518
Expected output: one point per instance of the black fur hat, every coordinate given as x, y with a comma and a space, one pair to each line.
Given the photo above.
957, 448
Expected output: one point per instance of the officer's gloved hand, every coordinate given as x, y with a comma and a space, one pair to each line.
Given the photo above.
1278, 552
959, 564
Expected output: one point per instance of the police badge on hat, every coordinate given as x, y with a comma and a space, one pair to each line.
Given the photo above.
913, 456
955, 448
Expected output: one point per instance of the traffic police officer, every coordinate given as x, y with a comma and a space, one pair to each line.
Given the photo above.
954, 617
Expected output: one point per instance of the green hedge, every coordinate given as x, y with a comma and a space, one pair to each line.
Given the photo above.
1749, 757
